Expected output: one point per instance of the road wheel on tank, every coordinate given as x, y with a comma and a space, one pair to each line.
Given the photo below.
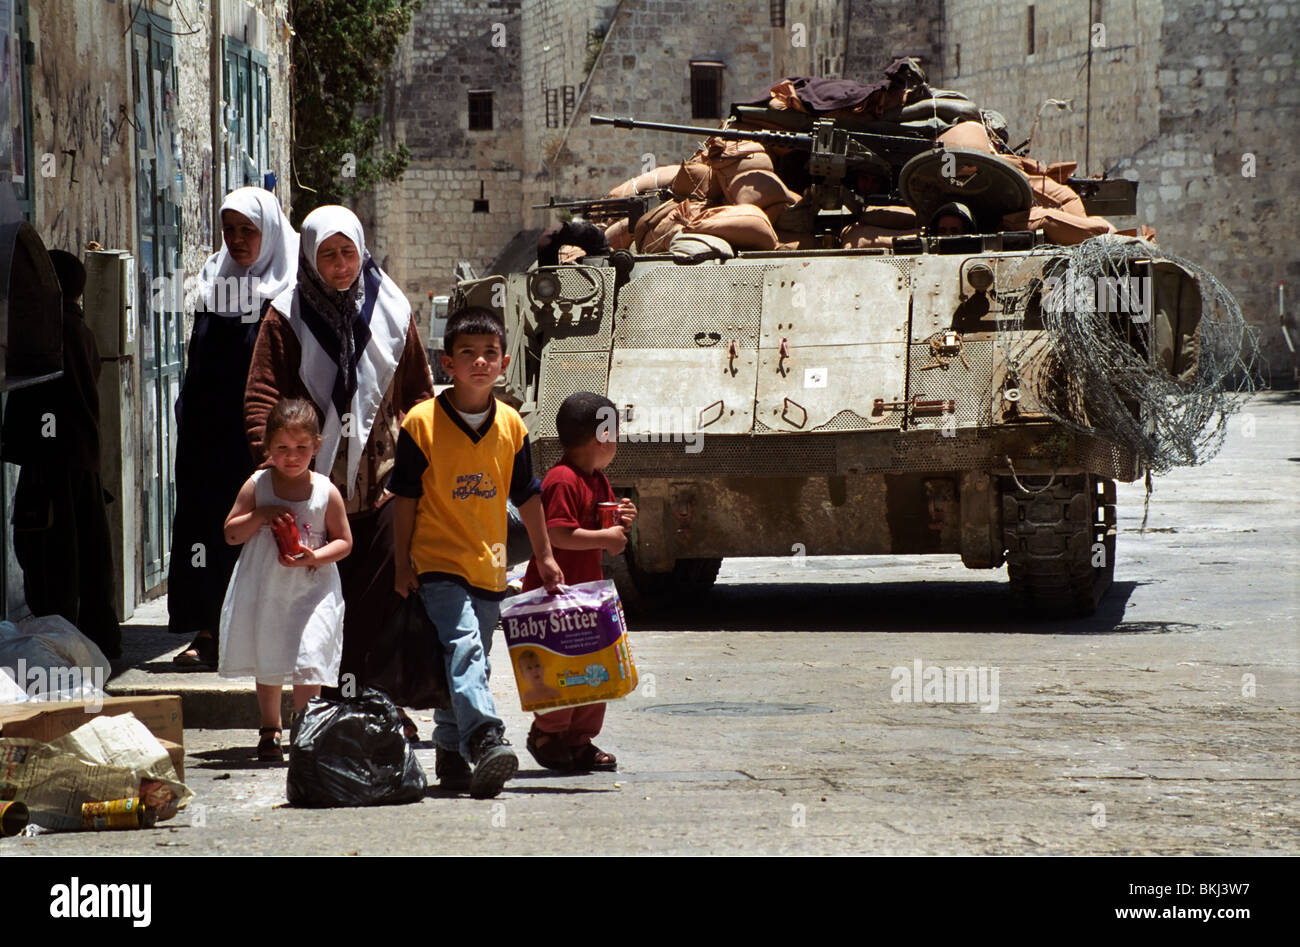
647, 592
1059, 535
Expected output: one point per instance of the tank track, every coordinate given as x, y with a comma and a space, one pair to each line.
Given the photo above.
1059, 536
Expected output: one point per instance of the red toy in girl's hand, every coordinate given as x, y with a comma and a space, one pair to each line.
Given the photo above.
285, 528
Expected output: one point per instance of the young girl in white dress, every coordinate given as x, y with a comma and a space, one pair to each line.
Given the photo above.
282, 619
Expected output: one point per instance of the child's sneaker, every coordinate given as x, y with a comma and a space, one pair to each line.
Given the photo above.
451, 769
494, 763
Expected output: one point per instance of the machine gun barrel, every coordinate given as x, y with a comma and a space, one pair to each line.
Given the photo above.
798, 140
896, 149
629, 207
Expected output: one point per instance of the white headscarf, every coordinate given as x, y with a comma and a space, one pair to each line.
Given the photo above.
323, 223
377, 361
272, 272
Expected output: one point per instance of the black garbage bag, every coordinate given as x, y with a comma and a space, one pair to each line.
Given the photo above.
405, 659
352, 753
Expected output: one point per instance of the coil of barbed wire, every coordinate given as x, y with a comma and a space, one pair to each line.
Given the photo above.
1098, 373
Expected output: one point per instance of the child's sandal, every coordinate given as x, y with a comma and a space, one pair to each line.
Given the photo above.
269, 749
590, 758
549, 750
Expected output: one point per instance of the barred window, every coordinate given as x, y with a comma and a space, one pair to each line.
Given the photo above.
552, 108
706, 89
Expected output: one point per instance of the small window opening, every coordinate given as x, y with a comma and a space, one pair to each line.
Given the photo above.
706, 89
480, 111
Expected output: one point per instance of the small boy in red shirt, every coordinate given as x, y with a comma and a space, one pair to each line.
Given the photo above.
587, 426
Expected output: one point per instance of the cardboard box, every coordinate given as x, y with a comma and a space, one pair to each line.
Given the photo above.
49, 720
177, 754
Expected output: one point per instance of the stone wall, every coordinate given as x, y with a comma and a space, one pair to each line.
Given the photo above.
1219, 179
561, 41
985, 54
81, 80
421, 226
880, 31
643, 70
815, 39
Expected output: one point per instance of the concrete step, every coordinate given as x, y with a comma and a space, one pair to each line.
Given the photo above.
208, 701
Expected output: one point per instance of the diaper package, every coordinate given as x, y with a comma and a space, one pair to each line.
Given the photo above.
568, 649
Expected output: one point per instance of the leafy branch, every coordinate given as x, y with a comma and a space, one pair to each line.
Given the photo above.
342, 50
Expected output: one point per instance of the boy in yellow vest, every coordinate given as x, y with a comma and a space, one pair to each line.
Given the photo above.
459, 456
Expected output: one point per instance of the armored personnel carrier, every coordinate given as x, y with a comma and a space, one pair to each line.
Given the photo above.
831, 401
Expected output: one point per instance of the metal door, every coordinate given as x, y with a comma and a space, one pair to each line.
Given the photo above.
158, 196
685, 349
833, 347
248, 112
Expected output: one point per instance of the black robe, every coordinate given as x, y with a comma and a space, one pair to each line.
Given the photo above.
212, 463
60, 524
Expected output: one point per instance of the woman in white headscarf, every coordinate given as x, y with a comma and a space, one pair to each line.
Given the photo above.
343, 338
257, 262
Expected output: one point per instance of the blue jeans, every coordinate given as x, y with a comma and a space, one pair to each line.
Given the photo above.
465, 623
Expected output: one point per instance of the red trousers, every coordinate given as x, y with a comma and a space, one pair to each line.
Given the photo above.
577, 725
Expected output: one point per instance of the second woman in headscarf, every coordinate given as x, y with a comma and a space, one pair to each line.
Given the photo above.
343, 337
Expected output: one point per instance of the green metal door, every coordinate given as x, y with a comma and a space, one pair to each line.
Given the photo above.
158, 191
248, 109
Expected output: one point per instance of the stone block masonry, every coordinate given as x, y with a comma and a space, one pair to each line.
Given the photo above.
82, 80
420, 227
1225, 152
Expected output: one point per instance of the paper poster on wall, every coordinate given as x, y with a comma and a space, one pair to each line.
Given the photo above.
162, 169
145, 307
6, 139
10, 86
14, 73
